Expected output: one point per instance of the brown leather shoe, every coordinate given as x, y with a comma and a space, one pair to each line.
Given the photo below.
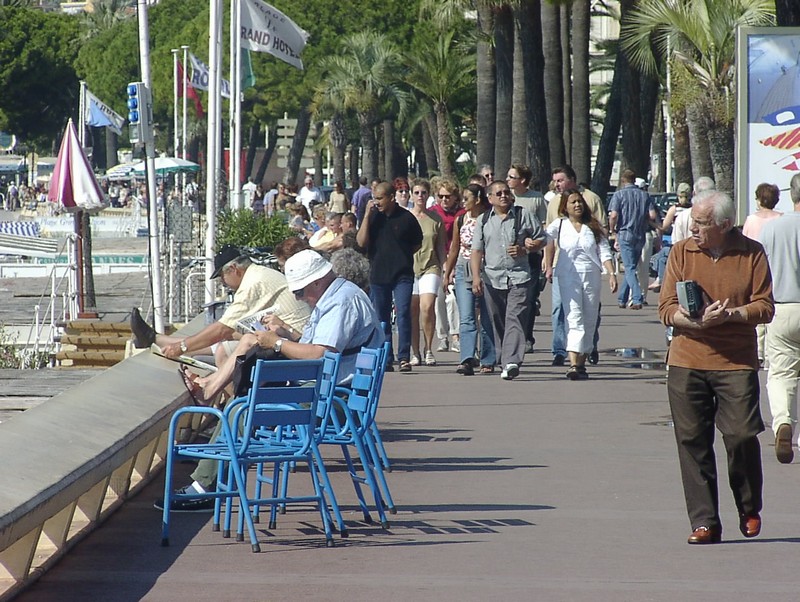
706, 535
636, 306
783, 444
750, 526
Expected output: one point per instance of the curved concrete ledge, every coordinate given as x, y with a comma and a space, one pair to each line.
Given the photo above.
70, 462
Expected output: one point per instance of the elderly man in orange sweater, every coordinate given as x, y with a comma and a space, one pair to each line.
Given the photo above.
713, 363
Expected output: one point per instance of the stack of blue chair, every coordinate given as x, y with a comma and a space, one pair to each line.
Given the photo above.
278, 423
352, 424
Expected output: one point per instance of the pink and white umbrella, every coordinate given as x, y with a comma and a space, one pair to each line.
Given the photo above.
73, 183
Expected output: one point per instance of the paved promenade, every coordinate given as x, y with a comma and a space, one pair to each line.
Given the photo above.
537, 489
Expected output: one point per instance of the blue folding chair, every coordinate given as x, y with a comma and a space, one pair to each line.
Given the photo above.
351, 425
376, 434
278, 405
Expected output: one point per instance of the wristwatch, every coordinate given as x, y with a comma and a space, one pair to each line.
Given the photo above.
184, 348
277, 346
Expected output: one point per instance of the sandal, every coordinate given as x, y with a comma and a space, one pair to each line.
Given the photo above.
190, 382
405, 366
466, 368
487, 369
573, 372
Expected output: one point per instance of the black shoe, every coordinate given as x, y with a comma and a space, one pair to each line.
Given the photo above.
143, 334
594, 357
558, 360
389, 367
198, 504
582, 374
466, 368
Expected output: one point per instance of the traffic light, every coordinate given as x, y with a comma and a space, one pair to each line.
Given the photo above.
139, 113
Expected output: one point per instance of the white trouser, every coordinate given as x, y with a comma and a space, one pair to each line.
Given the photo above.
447, 318
580, 297
783, 350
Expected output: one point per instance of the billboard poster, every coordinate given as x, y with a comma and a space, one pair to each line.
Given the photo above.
768, 113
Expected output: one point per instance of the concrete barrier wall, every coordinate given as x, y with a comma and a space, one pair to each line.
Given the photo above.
70, 462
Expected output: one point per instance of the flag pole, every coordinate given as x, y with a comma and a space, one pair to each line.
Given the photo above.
184, 83
213, 146
149, 147
78, 216
175, 92
236, 99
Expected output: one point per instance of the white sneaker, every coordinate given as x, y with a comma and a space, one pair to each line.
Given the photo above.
455, 346
414, 361
429, 359
442, 345
510, 372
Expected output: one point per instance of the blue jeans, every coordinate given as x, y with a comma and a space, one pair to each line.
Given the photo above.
381, 296
559, 345
467, 328
631, 252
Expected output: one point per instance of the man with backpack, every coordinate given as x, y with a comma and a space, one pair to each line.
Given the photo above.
503, 238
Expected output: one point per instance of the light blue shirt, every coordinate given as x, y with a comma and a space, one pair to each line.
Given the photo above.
345, 320
781, 240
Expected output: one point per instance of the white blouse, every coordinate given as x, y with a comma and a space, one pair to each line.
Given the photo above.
577, 249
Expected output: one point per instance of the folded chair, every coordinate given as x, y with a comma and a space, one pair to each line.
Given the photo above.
350, 425
283, 402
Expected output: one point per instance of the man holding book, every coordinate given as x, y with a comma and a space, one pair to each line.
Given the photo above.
255, 288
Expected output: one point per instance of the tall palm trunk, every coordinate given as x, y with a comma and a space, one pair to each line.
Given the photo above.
787, 12
519, 129
504, 62
581, 131
698, 142
298, 146
319, 168
529, 28
388, 149
429, 141
553, 90
607, 147
658, 143
566, 76
681, 155
272, 142
720, 142
443, 139
486, 87
369, 147
337, 132
353, 167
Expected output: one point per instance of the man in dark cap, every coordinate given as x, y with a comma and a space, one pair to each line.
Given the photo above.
255, 288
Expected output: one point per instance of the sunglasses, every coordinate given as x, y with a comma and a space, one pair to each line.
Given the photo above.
403, 191
501, 193
444, 196
422, 192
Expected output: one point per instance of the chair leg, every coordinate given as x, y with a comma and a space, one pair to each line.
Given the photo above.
322, 504
376, 435
356, 480
369, 475
375, 462
326, 485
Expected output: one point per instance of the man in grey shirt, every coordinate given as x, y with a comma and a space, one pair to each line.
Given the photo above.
781, 240
503, 238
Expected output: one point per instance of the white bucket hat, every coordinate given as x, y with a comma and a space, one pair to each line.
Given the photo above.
304, 268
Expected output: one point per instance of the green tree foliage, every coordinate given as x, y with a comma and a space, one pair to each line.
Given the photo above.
37, 77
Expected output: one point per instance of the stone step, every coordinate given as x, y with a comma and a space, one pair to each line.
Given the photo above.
98, 326
90, 358
92, 341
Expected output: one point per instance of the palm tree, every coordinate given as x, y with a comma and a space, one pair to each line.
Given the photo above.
700, 34
105, 14
361, 77
441, 71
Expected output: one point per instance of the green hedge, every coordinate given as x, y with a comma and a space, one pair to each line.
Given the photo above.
243, 228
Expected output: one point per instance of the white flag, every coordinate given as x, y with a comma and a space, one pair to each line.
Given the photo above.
98, 114
266, 29
199, 77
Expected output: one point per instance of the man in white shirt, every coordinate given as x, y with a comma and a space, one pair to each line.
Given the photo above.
309, 194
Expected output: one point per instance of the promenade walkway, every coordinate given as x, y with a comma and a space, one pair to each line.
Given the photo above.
537, 489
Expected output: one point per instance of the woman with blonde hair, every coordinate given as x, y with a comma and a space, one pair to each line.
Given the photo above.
428, 262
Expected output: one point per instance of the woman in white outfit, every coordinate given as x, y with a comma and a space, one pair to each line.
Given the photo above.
583, 253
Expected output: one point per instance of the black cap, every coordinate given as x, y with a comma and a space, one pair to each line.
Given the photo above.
225, 255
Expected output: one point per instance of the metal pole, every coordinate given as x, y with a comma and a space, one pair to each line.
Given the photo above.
149, 148
213, 147
175, 92
236, 100
184, 83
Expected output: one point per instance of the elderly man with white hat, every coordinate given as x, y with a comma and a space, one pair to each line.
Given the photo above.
342, 320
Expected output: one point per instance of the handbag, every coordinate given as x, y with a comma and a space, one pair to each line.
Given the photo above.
242, 379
